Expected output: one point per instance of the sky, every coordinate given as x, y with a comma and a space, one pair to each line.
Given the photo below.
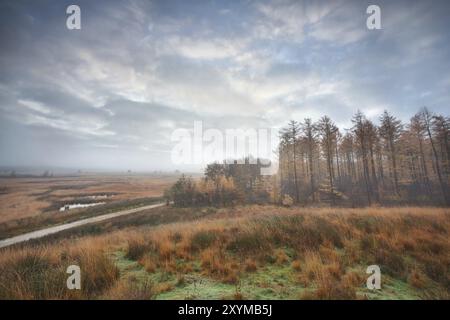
110, 95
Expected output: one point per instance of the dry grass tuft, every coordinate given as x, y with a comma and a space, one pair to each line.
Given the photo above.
417, 278
331, 289
40, 273
296, 265
131, 289
250, 265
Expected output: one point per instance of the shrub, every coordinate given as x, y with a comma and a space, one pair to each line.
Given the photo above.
287, 201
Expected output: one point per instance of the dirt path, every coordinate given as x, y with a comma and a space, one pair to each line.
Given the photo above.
51, 230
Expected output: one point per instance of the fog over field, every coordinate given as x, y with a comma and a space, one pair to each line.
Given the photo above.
109, 95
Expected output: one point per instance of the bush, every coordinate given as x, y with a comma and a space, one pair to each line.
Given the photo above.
287, 201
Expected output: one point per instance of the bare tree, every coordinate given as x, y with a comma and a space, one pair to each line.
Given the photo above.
359, 129
390, 130
327, 130
417, 128
427, 118
369, 162
291, 133
310, 132
372, 136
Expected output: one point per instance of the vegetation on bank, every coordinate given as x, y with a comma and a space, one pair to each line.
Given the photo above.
247, 252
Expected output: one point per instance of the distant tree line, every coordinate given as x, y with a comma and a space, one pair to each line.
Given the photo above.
389, 163
223, 184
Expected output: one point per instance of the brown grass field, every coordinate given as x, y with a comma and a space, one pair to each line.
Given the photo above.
27, 197
31, 203
246, 252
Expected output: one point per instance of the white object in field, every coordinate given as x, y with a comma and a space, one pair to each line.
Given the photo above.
79, 205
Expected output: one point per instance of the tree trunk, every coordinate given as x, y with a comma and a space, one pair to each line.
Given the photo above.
438, 170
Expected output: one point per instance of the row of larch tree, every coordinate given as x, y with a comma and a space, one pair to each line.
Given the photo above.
386, 163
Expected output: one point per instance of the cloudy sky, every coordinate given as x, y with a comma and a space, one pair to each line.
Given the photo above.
111, 94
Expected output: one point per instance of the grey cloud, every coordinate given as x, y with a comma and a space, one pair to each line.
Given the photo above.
111, 94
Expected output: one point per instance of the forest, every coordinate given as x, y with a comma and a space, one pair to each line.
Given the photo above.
389, 163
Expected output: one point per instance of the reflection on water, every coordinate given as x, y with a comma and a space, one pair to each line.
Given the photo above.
79, 205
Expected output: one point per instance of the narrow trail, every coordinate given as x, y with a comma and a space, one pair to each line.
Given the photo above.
55, 229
